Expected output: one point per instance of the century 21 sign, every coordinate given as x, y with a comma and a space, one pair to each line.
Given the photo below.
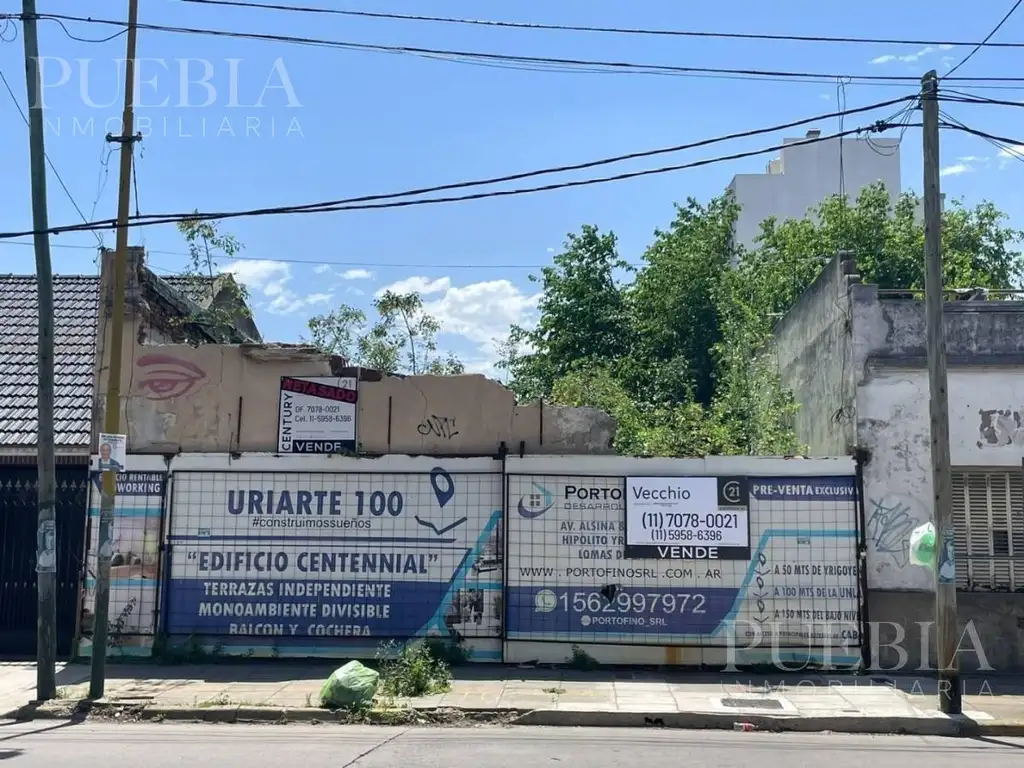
687, 518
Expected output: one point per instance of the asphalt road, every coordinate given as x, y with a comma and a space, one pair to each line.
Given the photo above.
99, 745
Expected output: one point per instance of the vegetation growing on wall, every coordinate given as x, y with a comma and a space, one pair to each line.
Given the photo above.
675, 349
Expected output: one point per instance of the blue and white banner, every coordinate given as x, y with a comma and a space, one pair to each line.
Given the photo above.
571, 579
303, 555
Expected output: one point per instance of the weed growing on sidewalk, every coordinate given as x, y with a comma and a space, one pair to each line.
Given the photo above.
412, 670
580, 659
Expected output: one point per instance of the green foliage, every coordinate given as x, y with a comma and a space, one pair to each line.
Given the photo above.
412, 670
682, 356
401, 340
583, 316
208, 247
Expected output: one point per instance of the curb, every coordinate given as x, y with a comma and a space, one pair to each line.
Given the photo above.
962, 727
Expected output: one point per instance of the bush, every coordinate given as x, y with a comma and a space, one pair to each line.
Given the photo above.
412, 670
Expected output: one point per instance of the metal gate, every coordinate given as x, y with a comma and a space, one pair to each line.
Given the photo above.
19, 495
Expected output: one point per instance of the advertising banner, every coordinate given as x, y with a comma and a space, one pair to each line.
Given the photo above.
570, 578
687, 518
134, 557
303, 555
317, 415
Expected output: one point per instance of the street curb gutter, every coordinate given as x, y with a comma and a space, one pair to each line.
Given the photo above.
963, 727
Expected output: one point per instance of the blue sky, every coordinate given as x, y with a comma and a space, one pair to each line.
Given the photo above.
355, 123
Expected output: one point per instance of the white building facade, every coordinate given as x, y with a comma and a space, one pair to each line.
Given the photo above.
806, 174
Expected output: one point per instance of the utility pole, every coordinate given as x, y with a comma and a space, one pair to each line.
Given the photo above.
112, 413
46, 539
950, 702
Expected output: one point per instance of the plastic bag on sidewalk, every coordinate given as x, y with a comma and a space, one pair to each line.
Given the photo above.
922, 545
350, 687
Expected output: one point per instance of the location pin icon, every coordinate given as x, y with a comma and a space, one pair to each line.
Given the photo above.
443, 485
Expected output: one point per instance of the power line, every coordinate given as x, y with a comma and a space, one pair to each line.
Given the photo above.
988, 37
585, 165
308, 262
355, 204
49, 162
616, 67
583, 28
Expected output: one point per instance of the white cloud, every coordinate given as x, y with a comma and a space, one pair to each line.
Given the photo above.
322, 268
910, 58
1013, 152
955, 170
269, 279
424, 286
483, 312
825, 96
357, 274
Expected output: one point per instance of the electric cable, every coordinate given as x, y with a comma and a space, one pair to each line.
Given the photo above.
388, 201
616, 67
587, 28
988, 37
49, 162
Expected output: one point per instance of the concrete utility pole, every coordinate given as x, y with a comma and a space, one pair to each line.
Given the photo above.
945, 563
46, 538
112, 414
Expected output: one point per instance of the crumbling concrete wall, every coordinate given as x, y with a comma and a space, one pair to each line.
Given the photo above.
224, 398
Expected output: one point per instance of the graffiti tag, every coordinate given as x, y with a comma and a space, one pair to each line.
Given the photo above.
889, 528
441, 426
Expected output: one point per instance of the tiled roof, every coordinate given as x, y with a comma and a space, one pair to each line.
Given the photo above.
76, 316
76, 311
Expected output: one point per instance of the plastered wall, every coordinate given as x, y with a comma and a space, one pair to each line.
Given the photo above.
218, 398
986, 405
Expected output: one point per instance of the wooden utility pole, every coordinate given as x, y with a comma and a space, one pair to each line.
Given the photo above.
112, 413
945, 557
46, 538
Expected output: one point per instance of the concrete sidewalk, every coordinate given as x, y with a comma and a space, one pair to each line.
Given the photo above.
255, 691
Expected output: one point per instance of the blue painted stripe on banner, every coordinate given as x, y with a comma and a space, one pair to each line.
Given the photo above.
283, 540
352, 651
142, 583
130, 512
766, 537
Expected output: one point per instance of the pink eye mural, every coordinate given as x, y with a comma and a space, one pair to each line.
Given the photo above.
165, 377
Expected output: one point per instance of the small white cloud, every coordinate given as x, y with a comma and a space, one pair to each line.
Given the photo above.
424, 286
357, 274
955, 170
909, 58
269, 279
825, 96
322, 268
1013, 152
551, 250
257, 274
318, 298
482, 312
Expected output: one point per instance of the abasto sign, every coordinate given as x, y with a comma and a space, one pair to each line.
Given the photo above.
295, 556
588, 560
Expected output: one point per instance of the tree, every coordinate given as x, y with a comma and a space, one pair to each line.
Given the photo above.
222, 299
401, 340
583, 314
676, 304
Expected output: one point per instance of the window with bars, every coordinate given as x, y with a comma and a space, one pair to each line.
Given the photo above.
988, 510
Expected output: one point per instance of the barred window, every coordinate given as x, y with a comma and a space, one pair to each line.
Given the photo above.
988, 512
